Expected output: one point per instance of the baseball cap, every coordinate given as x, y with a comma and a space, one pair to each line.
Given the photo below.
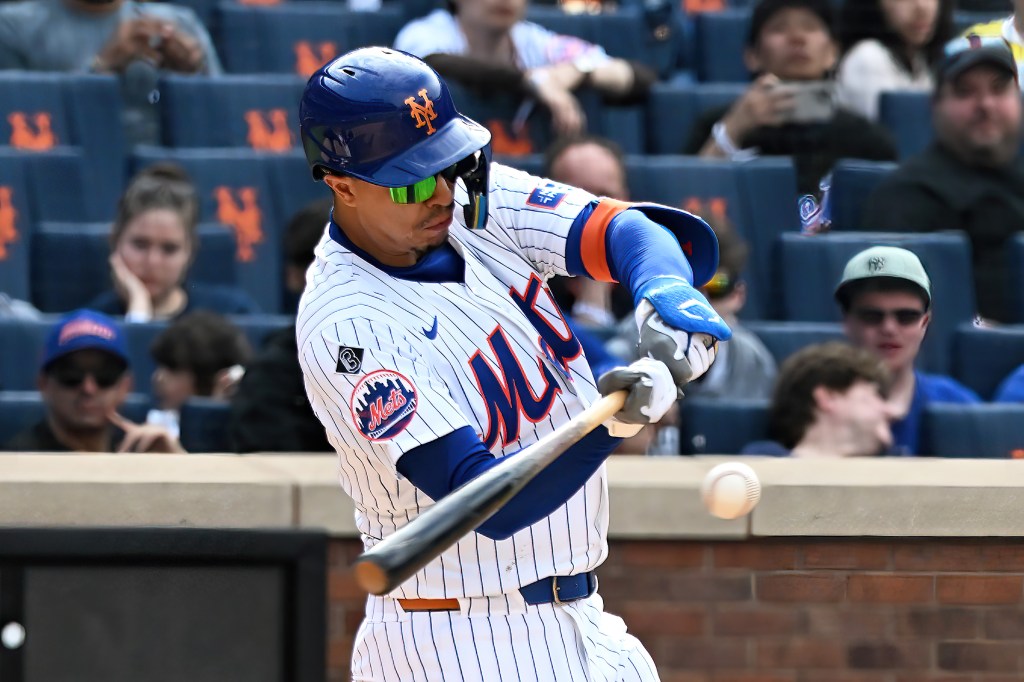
965, 52
766, 9
890, 262
81, 330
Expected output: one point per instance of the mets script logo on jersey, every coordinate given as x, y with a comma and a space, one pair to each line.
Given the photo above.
383, 404
422, 113
547, 195
507, 392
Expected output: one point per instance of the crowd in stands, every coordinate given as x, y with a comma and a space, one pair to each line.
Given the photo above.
862, 170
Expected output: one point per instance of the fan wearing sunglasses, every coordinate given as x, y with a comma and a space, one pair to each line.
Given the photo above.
84, 378
886, 299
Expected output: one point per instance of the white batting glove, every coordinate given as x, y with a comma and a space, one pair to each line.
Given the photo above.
688, 355
652, 392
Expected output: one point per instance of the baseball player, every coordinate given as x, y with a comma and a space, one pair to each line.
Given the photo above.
431, 348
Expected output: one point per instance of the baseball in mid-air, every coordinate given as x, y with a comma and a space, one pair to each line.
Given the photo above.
731, 490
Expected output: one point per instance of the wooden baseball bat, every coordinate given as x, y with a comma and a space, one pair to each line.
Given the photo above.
397, 557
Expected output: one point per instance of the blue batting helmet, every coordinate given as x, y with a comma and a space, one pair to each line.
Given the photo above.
385, 117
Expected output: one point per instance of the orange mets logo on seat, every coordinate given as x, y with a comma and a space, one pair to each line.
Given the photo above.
310, 57
268, 130
423, 113
244, 219
24, 137
8, 216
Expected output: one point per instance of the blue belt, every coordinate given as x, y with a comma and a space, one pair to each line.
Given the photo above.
554, 590
560, 588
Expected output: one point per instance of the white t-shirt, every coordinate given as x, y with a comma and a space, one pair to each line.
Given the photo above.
868, 70
439, 33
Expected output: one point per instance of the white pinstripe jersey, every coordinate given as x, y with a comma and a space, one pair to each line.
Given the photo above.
381, 385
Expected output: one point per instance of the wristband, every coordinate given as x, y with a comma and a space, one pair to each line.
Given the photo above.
721, 137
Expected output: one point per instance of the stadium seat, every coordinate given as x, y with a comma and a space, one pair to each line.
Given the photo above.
15, 228
757, 197
260, 112
20, 410
1015, 292
673, 109
721, 42
653, 36
58, 184
768, 189
853, 180
811, 267
235, 189
983, 357
718, 427
139, 337
908, 116
293, 184
257, 327
782, 339
204, 425
70, 262
22, 344
298, 37
41, 113
983, 430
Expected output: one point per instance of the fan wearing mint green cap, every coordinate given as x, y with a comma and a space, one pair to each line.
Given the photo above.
886, 300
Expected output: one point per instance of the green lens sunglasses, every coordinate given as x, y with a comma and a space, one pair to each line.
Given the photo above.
422, 190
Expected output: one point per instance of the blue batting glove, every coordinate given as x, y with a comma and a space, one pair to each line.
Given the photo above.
679, 327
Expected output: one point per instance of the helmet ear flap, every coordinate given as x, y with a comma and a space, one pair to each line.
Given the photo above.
476, 179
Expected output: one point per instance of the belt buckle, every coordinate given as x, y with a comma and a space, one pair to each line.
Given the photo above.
591, 588
554, 590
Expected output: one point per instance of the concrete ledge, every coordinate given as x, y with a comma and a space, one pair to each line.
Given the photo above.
650, 497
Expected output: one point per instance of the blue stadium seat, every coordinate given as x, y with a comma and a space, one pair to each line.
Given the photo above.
22, 344
232, 111
45, 112
964, 19
298, 37
293, 184
673, 109
654, 38
908, 117
718, 427
235, 189
975, 431
811, 267
852, 182
257, 327
20, 410
782, 339
139, 337
721, 42
758, 198
204, 425
768, 188
1015, 255
70, 262
983, 357
15, 228
73, 171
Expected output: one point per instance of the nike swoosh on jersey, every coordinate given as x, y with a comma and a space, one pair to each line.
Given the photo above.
432, 332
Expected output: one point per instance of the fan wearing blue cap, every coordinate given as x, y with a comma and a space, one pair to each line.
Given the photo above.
84, 378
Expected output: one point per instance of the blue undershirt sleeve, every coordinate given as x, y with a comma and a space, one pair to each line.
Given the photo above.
442, 465
640, 249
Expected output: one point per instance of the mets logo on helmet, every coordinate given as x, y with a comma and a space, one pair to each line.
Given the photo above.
422, 113
383, 404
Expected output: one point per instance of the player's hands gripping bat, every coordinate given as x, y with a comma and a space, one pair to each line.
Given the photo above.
679, 327
652, 392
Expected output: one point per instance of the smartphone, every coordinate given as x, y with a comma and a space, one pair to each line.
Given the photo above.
813, 101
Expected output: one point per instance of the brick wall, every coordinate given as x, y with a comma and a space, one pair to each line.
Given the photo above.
814, 610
